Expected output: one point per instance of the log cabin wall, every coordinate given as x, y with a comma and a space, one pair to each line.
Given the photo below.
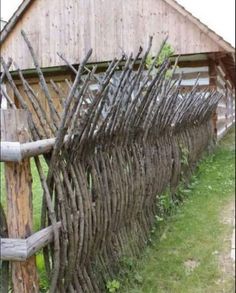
212, 75
226, 107
192, 67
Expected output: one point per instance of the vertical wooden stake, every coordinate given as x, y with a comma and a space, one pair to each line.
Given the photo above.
14, 127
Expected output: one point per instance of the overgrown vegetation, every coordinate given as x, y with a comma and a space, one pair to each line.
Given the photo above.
166, 52
113, 286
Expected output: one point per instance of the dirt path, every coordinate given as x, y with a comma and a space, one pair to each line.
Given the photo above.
227, 256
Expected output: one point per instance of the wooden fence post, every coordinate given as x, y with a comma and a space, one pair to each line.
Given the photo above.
14, 127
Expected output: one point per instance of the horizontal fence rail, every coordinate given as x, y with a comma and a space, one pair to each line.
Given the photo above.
22, 249
16, 151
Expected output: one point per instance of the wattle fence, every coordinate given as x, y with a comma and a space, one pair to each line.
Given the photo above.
111, 155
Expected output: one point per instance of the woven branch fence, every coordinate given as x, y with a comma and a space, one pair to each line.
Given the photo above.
116, 152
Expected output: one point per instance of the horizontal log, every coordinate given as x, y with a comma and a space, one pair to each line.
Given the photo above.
13, 249
35, 148
39, 240
193, 63
191, 75
15, 151
22, 249
222, 117
10, 151
187, 88
221, 105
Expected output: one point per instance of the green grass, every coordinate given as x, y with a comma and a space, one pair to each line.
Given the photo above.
36, 189
37, 193
193, 233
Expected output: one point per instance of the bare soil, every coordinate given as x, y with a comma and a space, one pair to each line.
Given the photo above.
226, 263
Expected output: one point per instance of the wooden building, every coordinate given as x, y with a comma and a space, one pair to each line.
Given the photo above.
111, 27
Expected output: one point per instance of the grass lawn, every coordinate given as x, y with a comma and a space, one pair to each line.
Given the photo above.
185, 257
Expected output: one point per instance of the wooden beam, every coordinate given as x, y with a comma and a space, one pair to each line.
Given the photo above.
22, 249
18, 177
186, 88
16, 151
191, 75
194, 63
57, 72
212, 72
13, 249
10, 151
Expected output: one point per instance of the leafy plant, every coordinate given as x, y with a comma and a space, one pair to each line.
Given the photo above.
165, 204
113, 286
165, 53
184, 155
127, 262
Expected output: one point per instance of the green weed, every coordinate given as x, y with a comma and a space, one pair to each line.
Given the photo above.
113, 286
